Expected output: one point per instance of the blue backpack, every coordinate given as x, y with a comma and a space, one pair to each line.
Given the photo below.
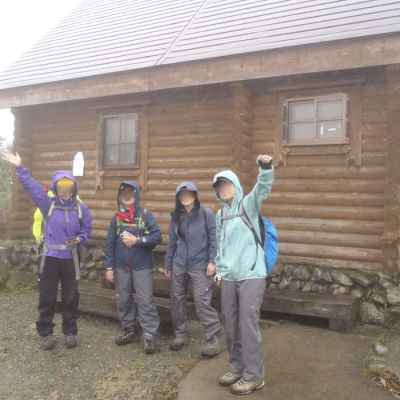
269, 239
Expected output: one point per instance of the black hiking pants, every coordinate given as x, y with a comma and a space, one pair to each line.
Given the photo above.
58, 270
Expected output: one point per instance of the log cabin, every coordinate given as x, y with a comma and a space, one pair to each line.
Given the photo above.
170, 90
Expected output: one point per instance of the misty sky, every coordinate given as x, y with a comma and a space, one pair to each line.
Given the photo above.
22, 24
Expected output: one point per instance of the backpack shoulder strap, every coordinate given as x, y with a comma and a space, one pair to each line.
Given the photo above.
220, 214
247, 221
80, 216
51, 209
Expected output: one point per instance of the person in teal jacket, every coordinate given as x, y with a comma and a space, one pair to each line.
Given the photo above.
241, 273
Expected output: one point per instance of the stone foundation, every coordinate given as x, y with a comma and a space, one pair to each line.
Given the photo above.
378, 292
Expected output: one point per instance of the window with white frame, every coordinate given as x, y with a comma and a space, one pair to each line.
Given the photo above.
316, 120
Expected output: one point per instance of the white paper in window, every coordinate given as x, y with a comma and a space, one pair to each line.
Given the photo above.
78, 165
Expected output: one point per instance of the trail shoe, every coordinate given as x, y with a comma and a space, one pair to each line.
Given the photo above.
151, 345
126, 337
243, 386
48, 342
229, 378
71, 341
178, 343
211, 348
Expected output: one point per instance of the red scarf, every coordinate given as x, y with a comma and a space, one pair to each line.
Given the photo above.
127, 216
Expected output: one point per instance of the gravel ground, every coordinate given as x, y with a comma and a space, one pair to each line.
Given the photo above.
97, 369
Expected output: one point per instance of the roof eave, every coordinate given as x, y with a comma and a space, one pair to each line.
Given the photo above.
332, 56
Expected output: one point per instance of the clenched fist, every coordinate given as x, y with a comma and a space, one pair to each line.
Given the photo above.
264, 161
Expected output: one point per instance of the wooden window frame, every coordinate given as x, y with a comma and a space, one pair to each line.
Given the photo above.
315, 141
103, 144
140, 169
350, 146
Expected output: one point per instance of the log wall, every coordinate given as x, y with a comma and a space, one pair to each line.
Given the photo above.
328, 206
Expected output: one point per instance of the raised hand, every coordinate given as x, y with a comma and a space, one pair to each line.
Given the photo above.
264, 161
11, 158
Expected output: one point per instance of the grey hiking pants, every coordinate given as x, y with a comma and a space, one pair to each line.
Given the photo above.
202, 295
240, 303
135, 300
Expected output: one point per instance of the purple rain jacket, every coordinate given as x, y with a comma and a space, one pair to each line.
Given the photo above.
61, 225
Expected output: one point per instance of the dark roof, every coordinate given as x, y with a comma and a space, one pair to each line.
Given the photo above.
105, 36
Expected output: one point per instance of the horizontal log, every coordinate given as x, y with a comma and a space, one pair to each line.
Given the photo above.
374, 131
374, 159
331, 173
59, 164
374, 146
82, 145
63, 155
324, 212
324, 150
201, 118
192, 124
22, 226
321, 225
328, 185
331, 239
337, 252
183, 173
331, 262
201, 162
262, 147
321, 161
188, 139
187, 151
63, 131
369, 116
162, 133
327, 199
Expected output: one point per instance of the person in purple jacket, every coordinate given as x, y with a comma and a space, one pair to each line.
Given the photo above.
68, 224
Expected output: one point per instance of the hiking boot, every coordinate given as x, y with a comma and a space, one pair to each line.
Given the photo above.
48, 342
229, 378
244, 386
178, 343
151, 345
211, 348
126, 337
71, 341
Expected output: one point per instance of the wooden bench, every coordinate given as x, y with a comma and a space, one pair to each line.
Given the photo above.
100, 301
341, 311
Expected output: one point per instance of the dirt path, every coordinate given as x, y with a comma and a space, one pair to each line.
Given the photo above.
97, 369
303, 363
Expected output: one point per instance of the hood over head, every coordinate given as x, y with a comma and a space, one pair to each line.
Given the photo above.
136, 190
234, 179
58, 175
191, 187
